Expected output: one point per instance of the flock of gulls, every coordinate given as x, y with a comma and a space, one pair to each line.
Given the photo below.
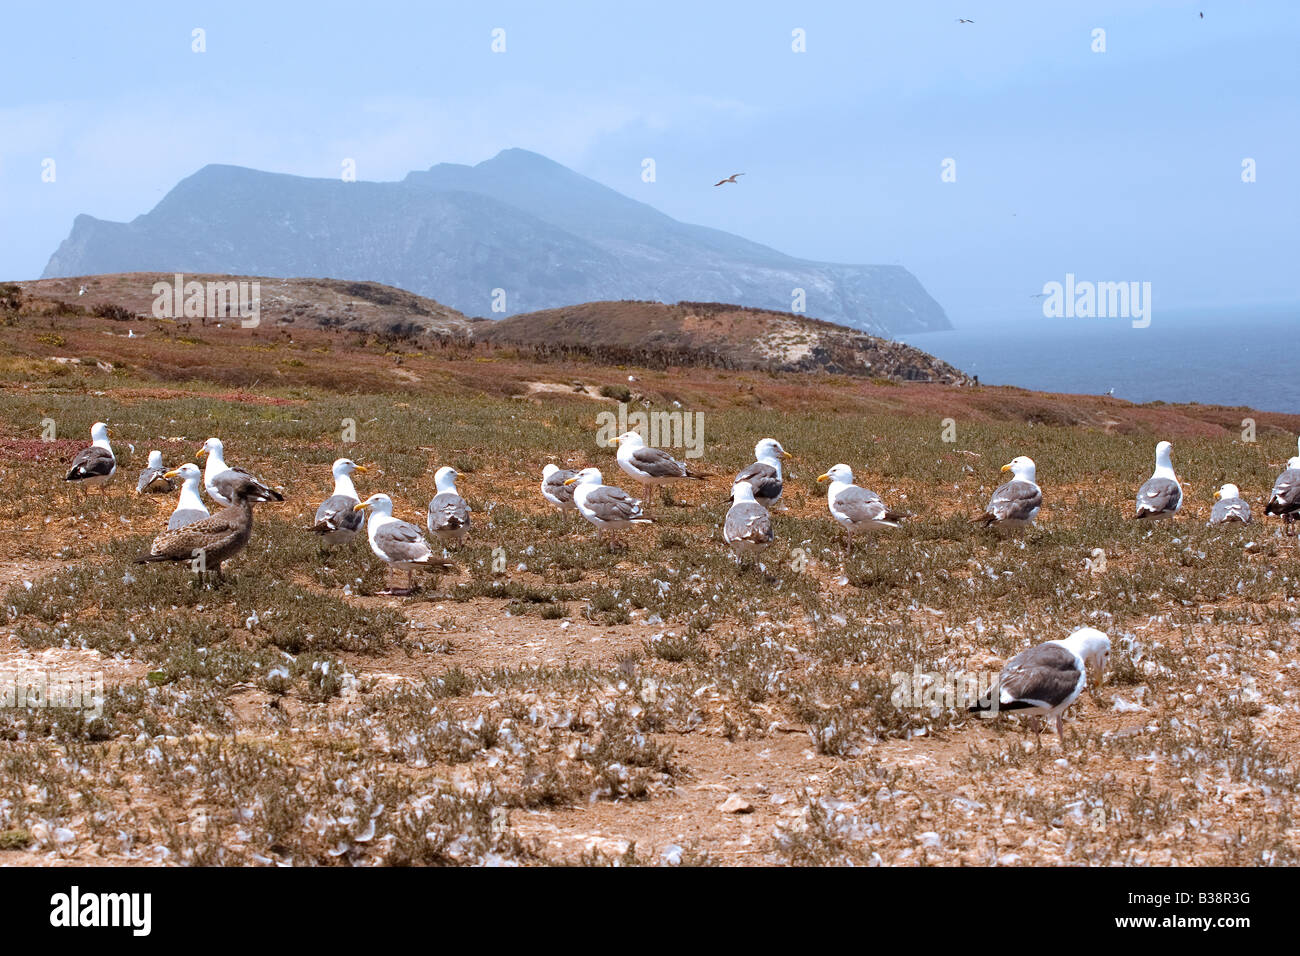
1042, 681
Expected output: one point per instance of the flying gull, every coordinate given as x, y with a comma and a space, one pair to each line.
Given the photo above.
730, 179
747, 527
764, 475
220, 479
1285, 497
1045, 680
1016, 503
856, 509
650, 466
214, 539
399, 544
336, 520
190, 508
154, 480
94, 465
554, 489
448, 511
1160, 495
1229, 507
608, 508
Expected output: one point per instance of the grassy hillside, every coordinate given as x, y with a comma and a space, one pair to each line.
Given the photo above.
552, 701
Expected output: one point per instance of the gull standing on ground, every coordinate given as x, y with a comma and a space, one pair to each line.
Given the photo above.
399, 544
1284, 500
448, 512
1229, 507
336, 520
856, 509
1016, 503
747, 527
1160, 495
220, 479
1045, 680
608, 508
190, 508
153, 479
554, 489
214, 539
94, 465
650, 466
764, 475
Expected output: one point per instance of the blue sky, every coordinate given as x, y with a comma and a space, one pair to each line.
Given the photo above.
1116, 166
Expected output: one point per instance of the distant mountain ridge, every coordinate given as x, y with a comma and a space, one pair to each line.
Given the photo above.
519, 222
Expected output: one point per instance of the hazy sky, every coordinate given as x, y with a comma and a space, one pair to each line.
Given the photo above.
1124, 165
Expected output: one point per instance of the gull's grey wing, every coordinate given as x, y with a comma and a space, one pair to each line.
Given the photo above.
1015, 501
555, 485
402, 541
657, 463
860, 506
613, 504
448, 511
336, 514
225, 483
1285, 498
1230, 509
1044, 676
1158, 496
154, 481
92, 462
763, 479
747, 521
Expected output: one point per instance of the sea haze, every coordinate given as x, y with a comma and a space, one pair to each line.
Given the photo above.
1231, 356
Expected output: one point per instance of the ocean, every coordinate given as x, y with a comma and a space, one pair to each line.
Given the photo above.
1236, 356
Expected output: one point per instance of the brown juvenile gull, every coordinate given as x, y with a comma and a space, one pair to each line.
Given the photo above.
608, 508
554, 489
1016, 503
747, 527
1045, 680
214, 539
153, 480
856, 509
399, 544
448, 512
94, 465
1229, 507
1160, 495
190, 508
337, 522
764, 475
220, 479
1285, 497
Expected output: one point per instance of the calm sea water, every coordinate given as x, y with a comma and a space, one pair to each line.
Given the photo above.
1243, 356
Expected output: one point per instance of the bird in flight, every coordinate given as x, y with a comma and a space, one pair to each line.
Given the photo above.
729, 179
964, 20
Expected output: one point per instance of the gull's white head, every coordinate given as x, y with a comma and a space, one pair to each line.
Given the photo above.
1164, 451
1094, 647
549, 470
1022, 468
445, 479
1227, 491
346, 466
155, 459
742, 492
588, 476
840, 473
99, 433
212, 447
628, 440
1293, 462
188, 472
770, 450
378, 504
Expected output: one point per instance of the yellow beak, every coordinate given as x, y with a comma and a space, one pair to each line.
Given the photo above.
201, 453
821, 478
1217, 494
361, 468
360, 506
570, 481
786, 456
1006, 468
613, 441
174, 473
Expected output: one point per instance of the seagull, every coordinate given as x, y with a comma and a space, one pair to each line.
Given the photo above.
1160, 495
219, 478
650, 466
94, 465
1285, 497
190, 508
448, 517
608, 508
856, 509
764, 475
214, 539
336, 522
1110, 391
747, 527
964, 20
153, 479
399, 544
554, 489
81, 290
730, 179
1045, 680
1229, 507
1016, 503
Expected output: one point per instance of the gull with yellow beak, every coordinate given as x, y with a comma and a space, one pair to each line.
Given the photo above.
764, 475
94, 465
153, 479
608, 508
448, 516
856, 509
650, 466
220, 479
190, 508
1229, 507
399, 544
1016, 503
336, 521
